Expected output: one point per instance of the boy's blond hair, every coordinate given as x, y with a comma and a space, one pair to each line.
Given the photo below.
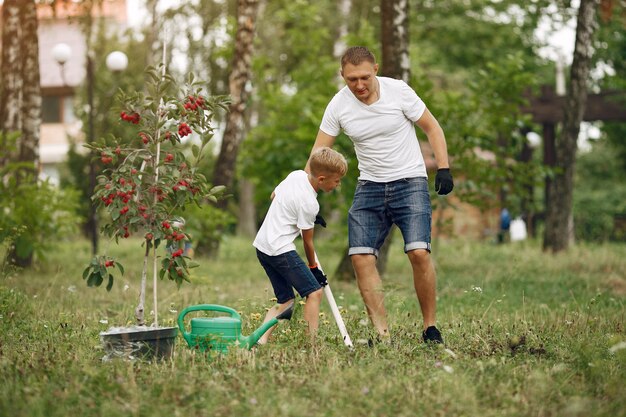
325, 161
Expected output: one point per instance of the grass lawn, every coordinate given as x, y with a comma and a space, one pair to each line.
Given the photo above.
527, 334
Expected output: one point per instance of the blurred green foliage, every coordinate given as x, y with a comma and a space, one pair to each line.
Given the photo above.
107, 123
600, 195
474, 63
35, 214
204, 225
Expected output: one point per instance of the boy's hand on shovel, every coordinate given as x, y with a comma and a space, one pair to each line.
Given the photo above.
319, 276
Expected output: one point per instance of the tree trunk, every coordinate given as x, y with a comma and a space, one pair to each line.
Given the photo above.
246, 224
11, 72
246, 216
344, 271
20, 104
395, 39
31, 95
224, 173
395, 64
558, 230
340, 44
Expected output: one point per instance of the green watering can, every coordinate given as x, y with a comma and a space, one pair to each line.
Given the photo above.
219, 333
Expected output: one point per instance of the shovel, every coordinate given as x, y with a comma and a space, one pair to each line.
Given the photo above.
335, 309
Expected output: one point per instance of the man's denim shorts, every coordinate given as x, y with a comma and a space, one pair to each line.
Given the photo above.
287, 271
376, 206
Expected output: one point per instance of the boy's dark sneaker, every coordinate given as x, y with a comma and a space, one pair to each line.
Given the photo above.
432, 335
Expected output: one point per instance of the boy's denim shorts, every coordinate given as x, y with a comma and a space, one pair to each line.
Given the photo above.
287, 271
376, 206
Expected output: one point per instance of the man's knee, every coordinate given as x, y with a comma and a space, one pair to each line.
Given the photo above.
419, 257
363, 261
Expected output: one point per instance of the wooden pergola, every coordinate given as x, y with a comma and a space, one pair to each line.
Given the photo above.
547, 109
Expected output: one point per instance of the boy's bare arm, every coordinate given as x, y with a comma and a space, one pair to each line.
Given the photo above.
309, 248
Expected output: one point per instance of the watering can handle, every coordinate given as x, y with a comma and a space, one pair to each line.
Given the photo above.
204, 307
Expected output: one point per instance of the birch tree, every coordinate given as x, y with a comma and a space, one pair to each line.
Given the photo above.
224, 173
395, 39
11, 85
20, 102
559, 225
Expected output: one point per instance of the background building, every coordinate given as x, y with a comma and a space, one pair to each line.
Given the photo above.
59, 83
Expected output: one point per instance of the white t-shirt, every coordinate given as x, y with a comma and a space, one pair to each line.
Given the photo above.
383, 133
293, 208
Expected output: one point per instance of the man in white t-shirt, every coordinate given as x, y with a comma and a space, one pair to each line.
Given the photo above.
378, 114
293, 211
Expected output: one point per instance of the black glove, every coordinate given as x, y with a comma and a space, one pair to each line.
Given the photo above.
320, 220
443, 181
319, 276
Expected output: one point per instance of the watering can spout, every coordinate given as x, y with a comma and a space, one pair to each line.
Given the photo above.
250, 341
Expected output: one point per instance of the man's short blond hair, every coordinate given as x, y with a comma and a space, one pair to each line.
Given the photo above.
325, 161
356, 55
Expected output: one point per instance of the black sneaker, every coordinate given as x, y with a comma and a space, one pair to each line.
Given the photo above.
432, 335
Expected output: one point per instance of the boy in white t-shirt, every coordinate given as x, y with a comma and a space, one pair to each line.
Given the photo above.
293, 212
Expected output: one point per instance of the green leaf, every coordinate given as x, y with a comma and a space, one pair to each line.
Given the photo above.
120, 267
110, 284
165, 263
93, 280
180, 262
218, 189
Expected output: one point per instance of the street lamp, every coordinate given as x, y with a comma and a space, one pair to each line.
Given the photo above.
116, 61
61, 54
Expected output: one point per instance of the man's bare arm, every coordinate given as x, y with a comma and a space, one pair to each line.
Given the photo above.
322, 139
436, 138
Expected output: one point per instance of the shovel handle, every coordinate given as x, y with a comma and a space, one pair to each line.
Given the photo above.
334, 309
204, 307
